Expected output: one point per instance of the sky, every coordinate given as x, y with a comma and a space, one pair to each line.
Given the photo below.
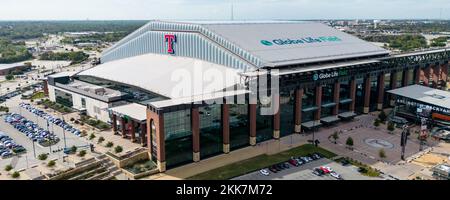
221, 9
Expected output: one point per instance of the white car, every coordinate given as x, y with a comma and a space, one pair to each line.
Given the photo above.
336, 175
264, 172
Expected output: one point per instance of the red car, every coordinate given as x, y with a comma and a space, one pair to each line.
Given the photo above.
293, 162
325, 170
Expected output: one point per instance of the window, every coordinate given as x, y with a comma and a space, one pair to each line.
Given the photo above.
83, 102
178, 137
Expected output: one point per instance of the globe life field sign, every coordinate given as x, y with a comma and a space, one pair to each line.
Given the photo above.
306, 40
327, 75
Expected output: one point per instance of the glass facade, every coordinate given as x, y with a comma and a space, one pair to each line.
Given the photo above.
327, 93
264, 125
239, 126
211, 137
178, 137
373, 94
64, 98
387, 87
154, 147
287, 101
399, 81
411, 76
308, 104
359, 102
344, 90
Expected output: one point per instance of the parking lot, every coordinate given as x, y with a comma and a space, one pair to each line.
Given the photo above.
305, 172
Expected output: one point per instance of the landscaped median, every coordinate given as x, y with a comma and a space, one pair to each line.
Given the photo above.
259, 162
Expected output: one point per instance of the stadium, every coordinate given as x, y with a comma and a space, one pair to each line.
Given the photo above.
324, 76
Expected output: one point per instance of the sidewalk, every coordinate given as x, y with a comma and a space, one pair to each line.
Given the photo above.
268, 147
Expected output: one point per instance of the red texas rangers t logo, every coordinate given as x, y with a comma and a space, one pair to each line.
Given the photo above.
170, 39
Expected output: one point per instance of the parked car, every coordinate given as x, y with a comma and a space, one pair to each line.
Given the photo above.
318, 172
336, 175
325, 170
273, 169
264, 172
293, 162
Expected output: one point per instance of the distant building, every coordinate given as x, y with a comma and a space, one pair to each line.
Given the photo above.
441, 171
6, 69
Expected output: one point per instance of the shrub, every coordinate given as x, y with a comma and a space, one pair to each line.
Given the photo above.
118, 149
376, 123
72, 119
109, 144
82, 153
51, 163
101, 139
349, 142
73, 149
8, 168
382, 154
382, 116
42, 156
92, 136
16, 175
391, 126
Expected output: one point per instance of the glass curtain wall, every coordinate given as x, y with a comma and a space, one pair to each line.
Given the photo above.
211, 137
178, 133
239, 126
287, 101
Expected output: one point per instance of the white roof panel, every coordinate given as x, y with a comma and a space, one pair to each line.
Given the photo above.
424, 94
169, 76
310, 42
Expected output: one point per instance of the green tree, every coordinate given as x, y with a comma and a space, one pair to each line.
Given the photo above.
335, 137
100, 140
376, 123
382, 116
16, 175
9, 77
391, 126
92, 136
349, 142
109, 144
118, 149
73, 149
82, 153
42, 156
382, 153
8, 168
51, 163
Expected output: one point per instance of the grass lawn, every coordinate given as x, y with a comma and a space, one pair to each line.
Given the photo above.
259, 162
38, 95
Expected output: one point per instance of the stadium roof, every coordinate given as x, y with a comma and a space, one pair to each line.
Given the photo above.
169, 76
261, 43
249, 36
424, 94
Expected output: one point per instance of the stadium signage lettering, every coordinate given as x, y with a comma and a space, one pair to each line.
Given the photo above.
170, 40
305, 40
327, 75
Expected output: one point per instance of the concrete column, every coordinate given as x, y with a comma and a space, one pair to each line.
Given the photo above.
367, 81
418, 73
426, 76
226, 127
195, 134
158, 120
143, 134
132, 125
353, 94
252, 119
380, 97
298, 110
276, 117
336, 97
124, 127
318, 103
114, 123
444, 75
406, 78
436, 75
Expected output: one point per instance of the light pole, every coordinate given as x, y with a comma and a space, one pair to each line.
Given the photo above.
64, 132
